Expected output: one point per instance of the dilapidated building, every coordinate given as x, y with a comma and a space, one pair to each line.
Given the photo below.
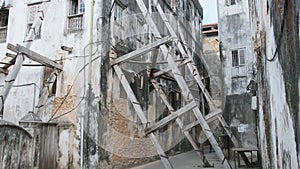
113, 84
276, 44
100, 84
239, 69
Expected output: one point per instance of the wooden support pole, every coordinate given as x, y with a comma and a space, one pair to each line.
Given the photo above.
9, 81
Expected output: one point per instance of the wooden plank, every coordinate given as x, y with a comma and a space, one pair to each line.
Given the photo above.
46, 91
12, 61
167, 70
208, 118
141, 51
10, 55
34, 56
138, 109
170, 118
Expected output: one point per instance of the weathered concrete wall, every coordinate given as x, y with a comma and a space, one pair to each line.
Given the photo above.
96, 126
15, 147
212, 56
235, 34
276, 42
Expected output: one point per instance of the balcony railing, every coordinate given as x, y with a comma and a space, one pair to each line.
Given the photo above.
3, 34
75, 23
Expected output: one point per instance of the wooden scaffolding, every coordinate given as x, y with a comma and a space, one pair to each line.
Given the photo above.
177, 40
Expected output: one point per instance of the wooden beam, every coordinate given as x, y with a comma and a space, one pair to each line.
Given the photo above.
34, 56
170, 118
9, 81
141, 51
12, 61
208, 118
10, 55
167, 70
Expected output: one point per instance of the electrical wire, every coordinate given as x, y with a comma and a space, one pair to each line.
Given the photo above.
69, 91
281, 33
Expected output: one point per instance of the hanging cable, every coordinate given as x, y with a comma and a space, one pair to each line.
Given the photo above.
281, 32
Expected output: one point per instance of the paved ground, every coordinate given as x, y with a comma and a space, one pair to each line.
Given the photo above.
189, 160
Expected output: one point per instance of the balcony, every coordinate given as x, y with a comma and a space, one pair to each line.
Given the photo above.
75, 23
3, 34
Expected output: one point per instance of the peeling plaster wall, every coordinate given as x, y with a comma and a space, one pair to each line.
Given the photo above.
103, 107
275, 26
22, 99
235, 34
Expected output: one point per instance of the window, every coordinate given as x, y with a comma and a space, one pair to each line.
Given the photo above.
47, 73
3, 24
75, 17
238, 63
33, 13
230, 2
238, 57
119, 8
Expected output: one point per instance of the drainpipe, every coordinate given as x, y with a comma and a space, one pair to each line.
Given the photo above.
89, 85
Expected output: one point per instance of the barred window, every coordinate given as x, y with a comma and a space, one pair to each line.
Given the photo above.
75, 17
3, 24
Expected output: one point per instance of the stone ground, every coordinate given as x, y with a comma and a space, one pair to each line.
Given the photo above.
189, 160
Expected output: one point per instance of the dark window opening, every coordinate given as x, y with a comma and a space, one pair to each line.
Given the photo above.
47, 73
232, 2
235, 58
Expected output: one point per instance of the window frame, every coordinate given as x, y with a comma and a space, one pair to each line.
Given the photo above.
31, 16
79, 7
75, 17
238, 60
